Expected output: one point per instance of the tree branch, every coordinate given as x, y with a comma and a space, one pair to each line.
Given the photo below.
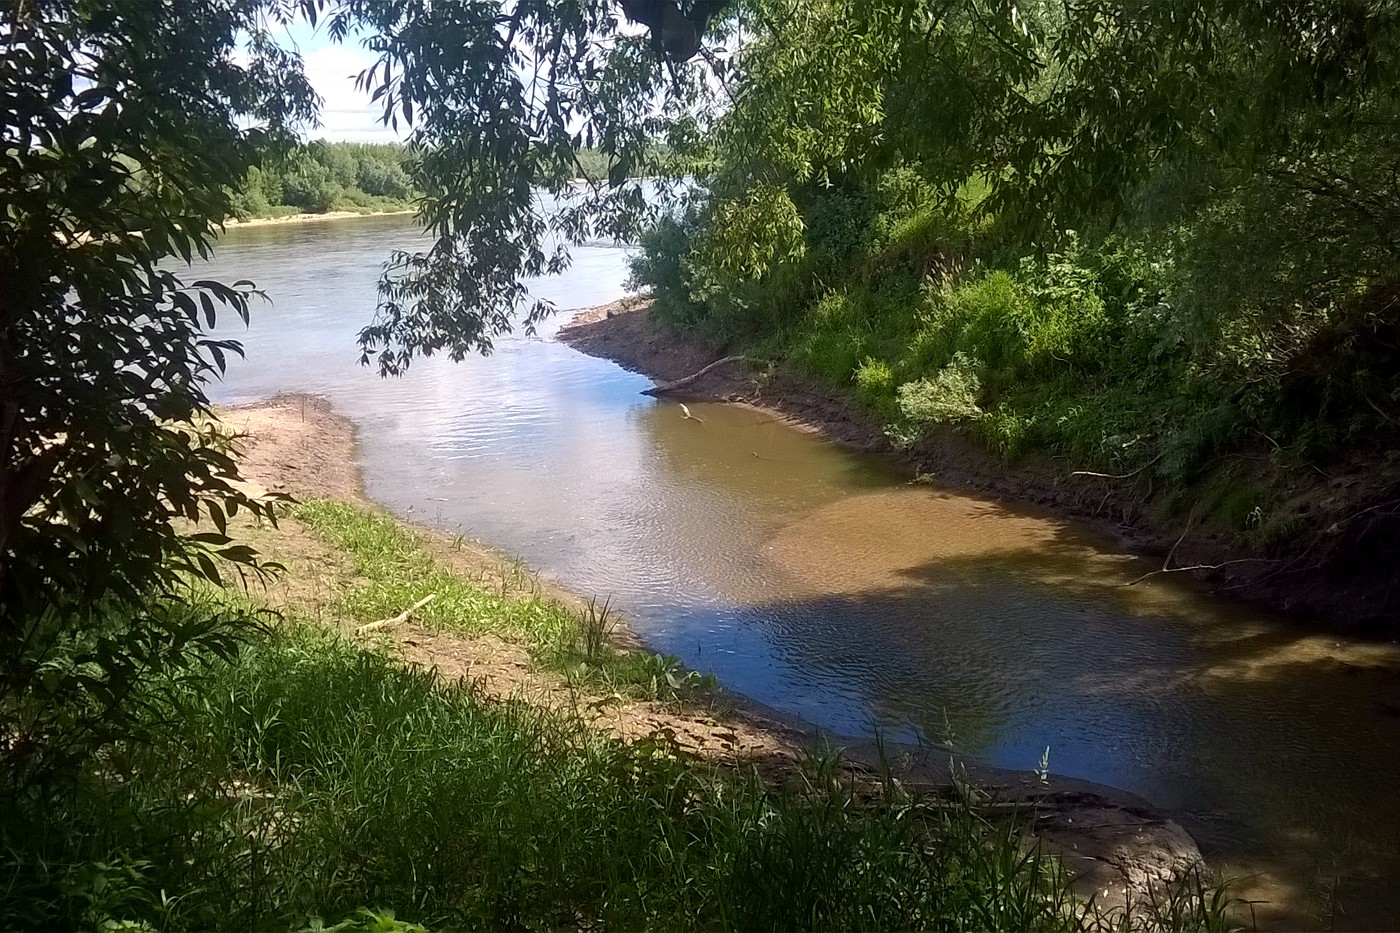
665, 387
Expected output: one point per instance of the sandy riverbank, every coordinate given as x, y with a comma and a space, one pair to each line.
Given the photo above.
300, 446
235, 224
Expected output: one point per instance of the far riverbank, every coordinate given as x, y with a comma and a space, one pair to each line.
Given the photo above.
234, 223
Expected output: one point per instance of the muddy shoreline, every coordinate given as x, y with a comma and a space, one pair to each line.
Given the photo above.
1338, 596
1119, 844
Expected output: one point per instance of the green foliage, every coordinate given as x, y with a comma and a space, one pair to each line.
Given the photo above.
950, 397
876, 385
1158, 234
129, 132
310, 185
660, 264
121, 124
499, 108
309, 776
318, 177
365, 920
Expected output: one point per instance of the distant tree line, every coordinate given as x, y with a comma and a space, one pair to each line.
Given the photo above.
366, 178
322, 176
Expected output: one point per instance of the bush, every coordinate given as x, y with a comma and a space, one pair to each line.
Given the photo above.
876, 384
950, 397
308, 185
382, 179
659, 264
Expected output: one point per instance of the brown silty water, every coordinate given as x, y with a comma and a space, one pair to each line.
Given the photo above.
822, 583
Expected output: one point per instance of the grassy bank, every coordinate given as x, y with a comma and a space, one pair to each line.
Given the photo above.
1256, 438
305, 774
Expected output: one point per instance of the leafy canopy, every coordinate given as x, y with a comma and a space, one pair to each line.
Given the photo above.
125, 128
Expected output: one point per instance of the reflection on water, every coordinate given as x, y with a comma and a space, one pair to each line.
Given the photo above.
819, 582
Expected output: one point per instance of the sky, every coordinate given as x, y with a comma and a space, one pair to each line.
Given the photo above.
346, 114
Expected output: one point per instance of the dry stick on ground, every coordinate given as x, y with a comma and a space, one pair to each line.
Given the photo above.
682, 383
1118, 475
398, 619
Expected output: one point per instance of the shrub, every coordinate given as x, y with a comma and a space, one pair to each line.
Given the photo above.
876, 385
659, 264
382, 179
950, 397
309, 186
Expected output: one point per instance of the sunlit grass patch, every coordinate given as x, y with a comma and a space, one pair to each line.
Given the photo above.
397, 572
394, 571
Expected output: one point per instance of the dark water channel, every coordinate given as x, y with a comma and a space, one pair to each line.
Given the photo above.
818, 581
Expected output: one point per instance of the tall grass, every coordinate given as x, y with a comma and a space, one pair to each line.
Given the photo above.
311, 777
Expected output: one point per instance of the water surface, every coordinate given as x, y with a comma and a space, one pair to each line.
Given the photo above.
821, 582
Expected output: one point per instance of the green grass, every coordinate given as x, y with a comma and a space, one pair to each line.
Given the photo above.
292, 776
395, 571
311, 777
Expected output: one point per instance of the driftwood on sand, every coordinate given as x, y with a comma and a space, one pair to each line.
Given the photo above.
666, 387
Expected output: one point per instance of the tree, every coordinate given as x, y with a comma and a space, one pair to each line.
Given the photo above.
122, 123
500, 102
124, 126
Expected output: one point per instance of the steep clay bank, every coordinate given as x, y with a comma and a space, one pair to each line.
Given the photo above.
1344, 571
298, 445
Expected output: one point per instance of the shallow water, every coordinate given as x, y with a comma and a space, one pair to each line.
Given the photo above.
820, 582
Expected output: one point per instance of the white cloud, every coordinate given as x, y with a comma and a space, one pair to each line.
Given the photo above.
346, 114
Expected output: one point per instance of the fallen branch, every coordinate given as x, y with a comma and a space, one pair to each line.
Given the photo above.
665, 387
398, 619
1118, 475
1168, 568
1240, 560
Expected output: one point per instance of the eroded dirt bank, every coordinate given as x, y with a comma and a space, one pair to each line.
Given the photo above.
1343, 572
299, 446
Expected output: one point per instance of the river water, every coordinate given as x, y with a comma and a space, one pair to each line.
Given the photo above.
820, 582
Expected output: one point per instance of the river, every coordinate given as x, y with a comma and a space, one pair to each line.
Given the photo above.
820, 582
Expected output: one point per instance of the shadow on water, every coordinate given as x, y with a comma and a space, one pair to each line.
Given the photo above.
819, 582
1263, 742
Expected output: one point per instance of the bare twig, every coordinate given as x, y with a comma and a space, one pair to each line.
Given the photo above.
1368, 401
398, 619
1240, 560
1190, 520
1167, 562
